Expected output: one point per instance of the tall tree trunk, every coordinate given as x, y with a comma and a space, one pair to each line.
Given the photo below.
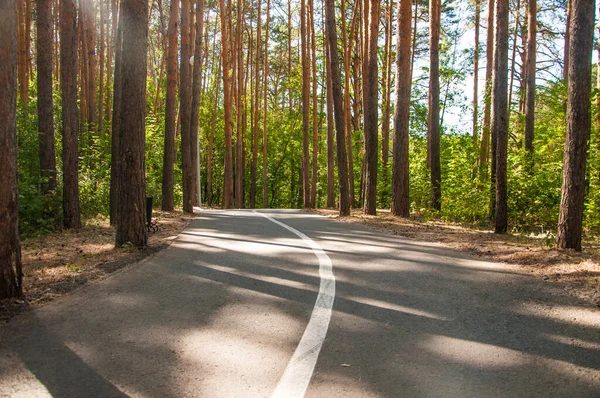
239, 84
338, 107
567, 41
289, 29
131, 224
484, 150
197, 77
531, 68
476, 72
211, 139
581, 35
499, 125
101, 87
68, 79
115, 161
185, 82
305, 104
315, 111
22, 68
385, 122
433, 116
225, 14
330, 132
45, 103
90, 37
514, 54
168, 184
370, 105
256, 112
347, 122
265, 86
400, 176
10, 247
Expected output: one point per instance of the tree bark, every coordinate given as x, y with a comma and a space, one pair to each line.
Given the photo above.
68, 78
211, 139
185, 82
305, 104
197, 77
330, 132
115, 161
567, 41
168, 183
315, 112
338, 108
476, 73
531, 69
347, 122
499, 126
484, 150
433, 116
131, 225
581, 35
45, 103
400, 169
385, 122
265, 92
370, 105
225, 49
90, 36
10, 247
256, 112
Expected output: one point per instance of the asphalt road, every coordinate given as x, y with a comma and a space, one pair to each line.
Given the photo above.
222, 312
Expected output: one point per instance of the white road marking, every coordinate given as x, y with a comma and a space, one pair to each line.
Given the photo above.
299, 370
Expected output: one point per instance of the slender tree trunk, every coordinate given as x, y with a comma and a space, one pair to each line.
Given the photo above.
197, 77
567, 41
22, 68
385, 122
305, 103
347, 122
115, 161
256, 112
289, 27
338, 107
400, 176
514, 54
499, 125
68, 78
131, 225
370, 105
90, 37
100, 108
10, 247
581, 35
414, 40
315, 112
211, 139
168, 184
433, 117
476, 73
225, 49
531, 69
265, 86
484, 150
45, 103
330, 132
239, 83
185, 82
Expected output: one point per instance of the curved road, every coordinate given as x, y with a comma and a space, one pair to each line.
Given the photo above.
222, 311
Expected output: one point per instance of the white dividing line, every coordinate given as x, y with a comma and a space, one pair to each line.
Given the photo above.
297, 374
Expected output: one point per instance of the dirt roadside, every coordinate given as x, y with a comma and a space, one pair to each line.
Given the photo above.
58, 263
577, 273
